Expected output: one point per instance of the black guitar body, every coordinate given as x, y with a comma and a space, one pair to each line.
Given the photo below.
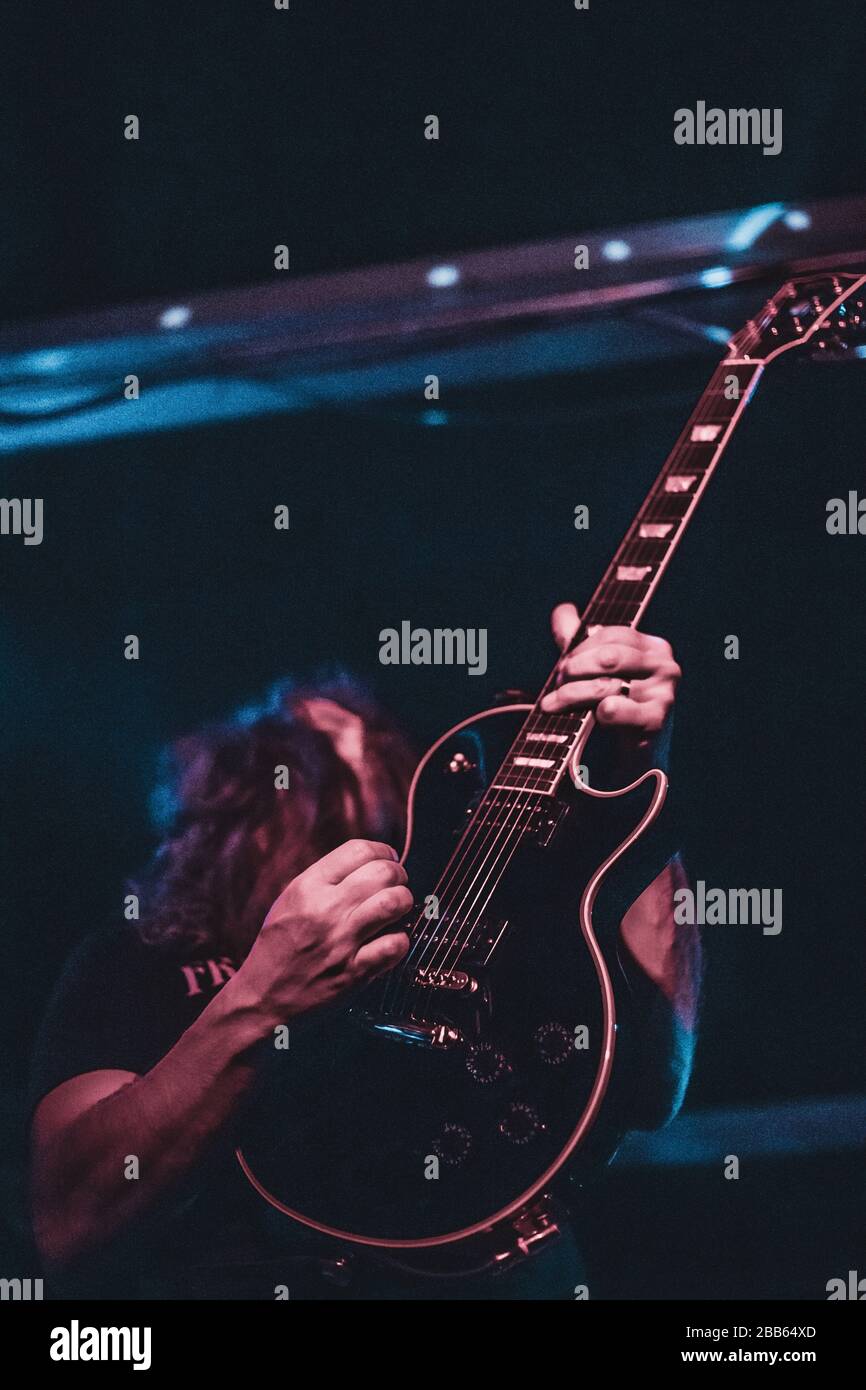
428, 1120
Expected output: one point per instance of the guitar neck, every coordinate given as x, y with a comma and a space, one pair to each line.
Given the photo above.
636, 569
540, 754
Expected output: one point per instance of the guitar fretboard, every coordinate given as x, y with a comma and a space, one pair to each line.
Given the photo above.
539, 756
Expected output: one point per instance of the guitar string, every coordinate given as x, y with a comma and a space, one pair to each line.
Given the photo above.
533, 791
616, 609
682, 447
616, 606
429, 936
488, 804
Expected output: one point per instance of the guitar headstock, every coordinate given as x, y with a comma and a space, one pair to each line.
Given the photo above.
826, 310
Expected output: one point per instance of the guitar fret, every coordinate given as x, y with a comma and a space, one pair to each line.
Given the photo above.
692, 456
526, 771
670, 506
542, 750
632, 574
654, 530
638, 550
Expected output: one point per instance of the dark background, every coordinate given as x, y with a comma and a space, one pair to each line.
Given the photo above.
261, 127
306, 128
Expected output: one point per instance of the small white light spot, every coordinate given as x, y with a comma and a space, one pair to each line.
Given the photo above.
616, 250
176, 317
717, 275
797, 221
441, 276
716, 334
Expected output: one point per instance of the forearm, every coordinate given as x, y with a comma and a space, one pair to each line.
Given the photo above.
667, 957
668, 954
82, 1192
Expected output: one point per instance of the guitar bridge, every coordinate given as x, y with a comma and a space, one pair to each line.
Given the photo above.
455, 980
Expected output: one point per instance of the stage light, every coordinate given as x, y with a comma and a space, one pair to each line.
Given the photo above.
175, 317
51, 360
797, 221
717, 334
441, 276
717, 275
750, 227
616, 250
434, 417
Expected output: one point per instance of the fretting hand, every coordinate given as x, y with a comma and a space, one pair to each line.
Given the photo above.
628, 678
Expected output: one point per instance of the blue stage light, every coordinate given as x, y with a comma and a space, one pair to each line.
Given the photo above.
176, 317
441, 276
616, 250
49, 360
798, 221
750, 227
717, 275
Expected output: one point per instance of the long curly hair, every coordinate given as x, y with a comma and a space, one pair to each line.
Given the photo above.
233, 836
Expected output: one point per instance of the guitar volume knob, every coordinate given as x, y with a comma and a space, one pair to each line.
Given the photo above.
452, 1145
521, 1123
553, 1043
486, 1064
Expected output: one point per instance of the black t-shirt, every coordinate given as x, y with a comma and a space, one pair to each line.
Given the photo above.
120, 1005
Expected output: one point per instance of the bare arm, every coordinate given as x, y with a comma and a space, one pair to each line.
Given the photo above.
85, 1130
320, 939
668, 954
669, 957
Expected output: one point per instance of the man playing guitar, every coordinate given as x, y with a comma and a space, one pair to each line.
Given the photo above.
254, 917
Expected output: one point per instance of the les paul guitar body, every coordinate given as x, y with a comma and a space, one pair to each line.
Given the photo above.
430, 1113
431, 1121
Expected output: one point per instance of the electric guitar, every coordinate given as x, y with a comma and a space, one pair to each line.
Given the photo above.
438, 1119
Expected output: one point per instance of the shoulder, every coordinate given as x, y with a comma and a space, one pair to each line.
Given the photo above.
119, 1005
120, 954
108, 945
